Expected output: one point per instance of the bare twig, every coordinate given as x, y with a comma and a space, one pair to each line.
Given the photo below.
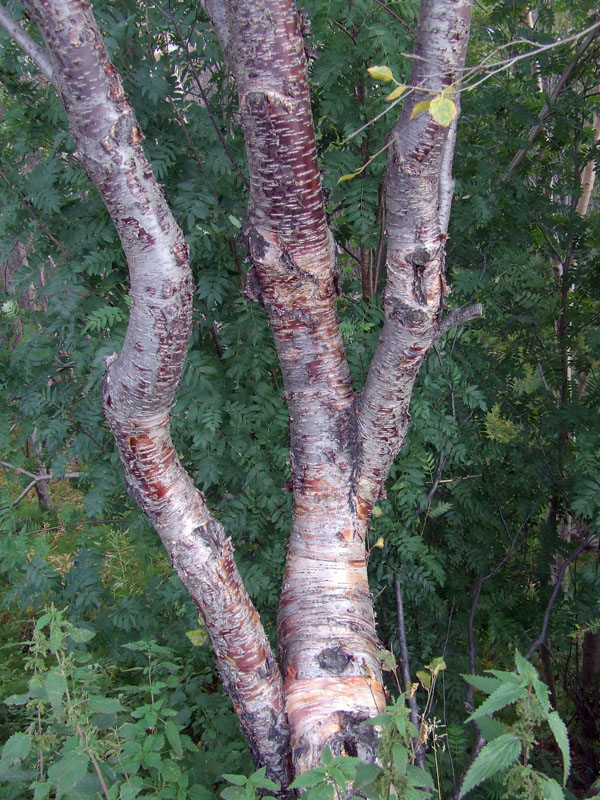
405, 667
44, 476
545, 112
393, 14
584, 545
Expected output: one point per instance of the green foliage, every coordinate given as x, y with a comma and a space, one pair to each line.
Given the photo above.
524, 689
80, 739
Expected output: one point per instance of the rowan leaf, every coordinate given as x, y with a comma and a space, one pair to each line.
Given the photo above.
347, 177
495, 757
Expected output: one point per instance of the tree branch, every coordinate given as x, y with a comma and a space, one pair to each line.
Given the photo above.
36, 53
141, 381
562, 83
326, 626
415, 288
405, 666
458, 317
557, 587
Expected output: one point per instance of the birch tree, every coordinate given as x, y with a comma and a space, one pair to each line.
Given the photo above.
326, 680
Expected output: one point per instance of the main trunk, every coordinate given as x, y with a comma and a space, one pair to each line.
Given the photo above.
341, 445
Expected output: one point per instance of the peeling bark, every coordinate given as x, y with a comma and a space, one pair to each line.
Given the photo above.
325, 607
140, 382
418, 189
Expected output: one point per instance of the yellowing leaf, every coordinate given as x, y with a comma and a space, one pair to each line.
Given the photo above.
419, 108
400, 89
377, 511
442, 109
197, 637
347, 177
379, 543
381, 74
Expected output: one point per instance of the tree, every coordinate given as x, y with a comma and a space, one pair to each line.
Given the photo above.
342, 445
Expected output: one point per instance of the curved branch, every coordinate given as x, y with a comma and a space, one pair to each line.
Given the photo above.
140, 382
561, 84
36, 53
557, 588
418, 190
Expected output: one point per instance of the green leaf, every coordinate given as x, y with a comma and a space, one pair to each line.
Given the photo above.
323, 792
132, 787
366, 774
418, 777
68, 771
419, 108
495, 757
541, 692
505, 695
326, 756
400, 757
484, 683
42, 622
559, 729
491, 728
442, 109
105, 705
41, 790
16, 748
381, 74
81, 634
233, 793
56, 686
524, 668
309, 778
551, 789
172, 733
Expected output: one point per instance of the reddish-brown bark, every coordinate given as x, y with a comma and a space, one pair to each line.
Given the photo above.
140, 382
341, 446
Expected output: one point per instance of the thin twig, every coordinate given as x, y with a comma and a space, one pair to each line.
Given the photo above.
557, 587
393, 14
198, 82
405, 666
545, 112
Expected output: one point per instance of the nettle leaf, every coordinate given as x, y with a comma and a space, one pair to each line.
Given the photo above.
68, 771
503, 696
483, 683
559, 729
56, 686
16, 748
551, 789
495, 757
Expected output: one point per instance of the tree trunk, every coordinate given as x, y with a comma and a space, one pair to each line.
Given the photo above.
140, 382
341, 446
